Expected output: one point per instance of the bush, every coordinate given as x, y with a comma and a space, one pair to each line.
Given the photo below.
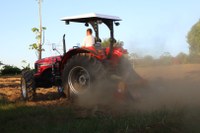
195, 59
10, 70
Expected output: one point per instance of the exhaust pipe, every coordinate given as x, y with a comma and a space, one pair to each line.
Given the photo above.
64, 46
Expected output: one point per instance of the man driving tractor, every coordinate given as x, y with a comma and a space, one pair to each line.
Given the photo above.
89, 40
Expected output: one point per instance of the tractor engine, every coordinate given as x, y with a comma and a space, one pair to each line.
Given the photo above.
47, 72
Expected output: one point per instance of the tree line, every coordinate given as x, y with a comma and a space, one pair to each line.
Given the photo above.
165, 59
193, 39
13, 70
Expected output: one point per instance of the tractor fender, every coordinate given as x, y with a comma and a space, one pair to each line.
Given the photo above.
73, 52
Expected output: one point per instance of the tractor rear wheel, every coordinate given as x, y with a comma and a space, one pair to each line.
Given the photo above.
27, 85
81, 72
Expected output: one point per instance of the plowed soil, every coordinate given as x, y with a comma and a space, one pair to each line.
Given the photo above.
180, 83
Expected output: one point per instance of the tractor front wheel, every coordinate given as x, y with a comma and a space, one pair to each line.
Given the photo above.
27, 85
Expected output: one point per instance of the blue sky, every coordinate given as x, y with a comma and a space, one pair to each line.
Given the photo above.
148, 27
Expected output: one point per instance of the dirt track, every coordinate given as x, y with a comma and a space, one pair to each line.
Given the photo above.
10, 90
177, 84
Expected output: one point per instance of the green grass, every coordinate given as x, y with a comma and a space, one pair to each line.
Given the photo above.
19, 118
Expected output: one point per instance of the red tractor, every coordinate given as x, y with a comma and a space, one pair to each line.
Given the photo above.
80, 68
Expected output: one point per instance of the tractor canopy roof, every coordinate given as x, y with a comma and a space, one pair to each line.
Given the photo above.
95, 20
90, 17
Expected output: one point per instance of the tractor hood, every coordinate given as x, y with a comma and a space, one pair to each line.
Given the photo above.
49, 60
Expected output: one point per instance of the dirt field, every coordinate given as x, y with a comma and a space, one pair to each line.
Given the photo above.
169, 104
177, 84
10, 90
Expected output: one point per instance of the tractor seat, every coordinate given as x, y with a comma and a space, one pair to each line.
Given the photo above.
98, 46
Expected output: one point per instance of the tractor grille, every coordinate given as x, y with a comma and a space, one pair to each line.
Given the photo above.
36, 67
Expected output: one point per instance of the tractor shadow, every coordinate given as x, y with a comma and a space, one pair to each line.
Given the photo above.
46, 95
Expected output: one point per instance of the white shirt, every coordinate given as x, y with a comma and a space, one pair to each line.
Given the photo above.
88, 41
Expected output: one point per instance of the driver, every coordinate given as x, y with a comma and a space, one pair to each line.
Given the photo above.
89, 40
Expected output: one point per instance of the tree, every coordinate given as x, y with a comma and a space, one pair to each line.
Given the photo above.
166, 58
182, 58
148, 60
106, 43
25, 65
134, 56
36, 46
10, 70
193, 38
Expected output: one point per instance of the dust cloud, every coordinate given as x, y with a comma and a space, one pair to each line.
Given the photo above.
171, 87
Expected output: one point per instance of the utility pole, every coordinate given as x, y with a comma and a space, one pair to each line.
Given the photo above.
40, 30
